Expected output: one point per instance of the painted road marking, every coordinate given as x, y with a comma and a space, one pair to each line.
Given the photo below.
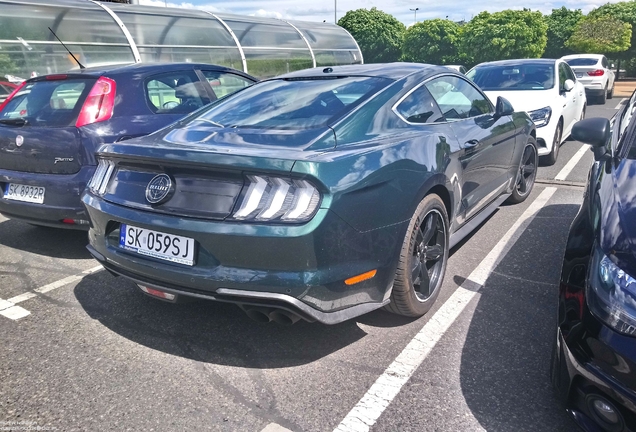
567, 169
620, 103
388, 385
273, 427
9, 309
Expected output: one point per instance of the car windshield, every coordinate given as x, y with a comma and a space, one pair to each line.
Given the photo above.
583, 61
290, 103
48, 103
523, 76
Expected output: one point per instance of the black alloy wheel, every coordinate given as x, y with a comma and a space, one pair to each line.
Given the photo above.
527, 173
422, 260
556, 144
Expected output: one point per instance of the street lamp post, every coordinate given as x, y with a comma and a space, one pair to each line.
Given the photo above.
415, 14
335, 11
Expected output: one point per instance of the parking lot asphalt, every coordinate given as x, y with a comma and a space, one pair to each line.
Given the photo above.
83, 350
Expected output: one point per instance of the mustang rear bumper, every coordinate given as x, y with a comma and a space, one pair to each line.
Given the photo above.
300, 268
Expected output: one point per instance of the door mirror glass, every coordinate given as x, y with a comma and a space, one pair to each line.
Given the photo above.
568, 85
504, 107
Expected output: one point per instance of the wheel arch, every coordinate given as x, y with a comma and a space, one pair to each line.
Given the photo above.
438, 184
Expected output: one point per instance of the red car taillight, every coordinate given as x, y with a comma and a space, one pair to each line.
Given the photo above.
13, 93
597, 72
99, 104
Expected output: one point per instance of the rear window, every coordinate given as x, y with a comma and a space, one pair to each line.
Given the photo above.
584, 61
523, 76
291, 103
48, 103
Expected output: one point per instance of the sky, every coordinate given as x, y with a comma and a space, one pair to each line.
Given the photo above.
319, 10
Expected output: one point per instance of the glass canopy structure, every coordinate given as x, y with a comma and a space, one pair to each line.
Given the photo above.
110, 33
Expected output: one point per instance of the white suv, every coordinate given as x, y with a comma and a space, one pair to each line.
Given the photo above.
593, 71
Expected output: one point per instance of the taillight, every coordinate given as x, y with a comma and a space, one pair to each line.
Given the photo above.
56, 77
13, 93
99, 104
597, 72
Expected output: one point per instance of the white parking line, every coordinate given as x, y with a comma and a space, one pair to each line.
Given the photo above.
388, 385
567, 169
620, 103
9, 309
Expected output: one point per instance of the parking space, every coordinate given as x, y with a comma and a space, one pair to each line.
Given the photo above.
94, 353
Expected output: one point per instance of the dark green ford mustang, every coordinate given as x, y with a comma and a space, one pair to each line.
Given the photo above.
319, 195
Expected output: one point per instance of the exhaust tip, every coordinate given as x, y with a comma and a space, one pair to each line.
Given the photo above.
258, 315
283, 317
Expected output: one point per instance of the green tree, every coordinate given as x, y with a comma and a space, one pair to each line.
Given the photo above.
378, 34
504, 35
601, 34
561, 24
433, 41
626, 12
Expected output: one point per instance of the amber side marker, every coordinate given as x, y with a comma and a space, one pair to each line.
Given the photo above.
361, 277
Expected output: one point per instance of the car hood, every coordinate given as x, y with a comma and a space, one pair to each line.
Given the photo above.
618, 215
525, 100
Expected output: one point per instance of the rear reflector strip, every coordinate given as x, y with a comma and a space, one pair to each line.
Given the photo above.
156, 293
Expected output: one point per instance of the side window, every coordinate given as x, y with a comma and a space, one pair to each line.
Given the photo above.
175, 93
419, 107
604, 62
563, 75
569, 73
457, 99
224, 83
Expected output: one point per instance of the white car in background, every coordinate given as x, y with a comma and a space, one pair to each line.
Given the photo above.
546, 89
593, 71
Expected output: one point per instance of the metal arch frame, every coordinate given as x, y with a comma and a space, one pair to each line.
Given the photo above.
311, 51
233, 35
129, 38
355, 42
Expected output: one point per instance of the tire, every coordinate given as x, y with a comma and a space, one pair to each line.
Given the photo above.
603, 98
610, 95
556, 143
527, 173
418, 279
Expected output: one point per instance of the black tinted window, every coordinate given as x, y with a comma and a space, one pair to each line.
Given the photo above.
291, 103
523, 76
583, 61
48, 103
457, 98
419, 107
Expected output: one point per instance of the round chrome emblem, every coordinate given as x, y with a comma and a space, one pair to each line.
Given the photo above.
19, 140
159, 189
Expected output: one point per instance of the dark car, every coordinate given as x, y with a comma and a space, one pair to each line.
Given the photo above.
321, 194
51, 127
594, 360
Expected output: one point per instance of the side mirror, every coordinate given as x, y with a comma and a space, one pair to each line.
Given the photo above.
595, 131
612, 66
568, 85
503, 107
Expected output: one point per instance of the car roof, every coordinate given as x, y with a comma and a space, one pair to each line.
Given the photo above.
145, 68
518, 61
594, 56
394, 71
